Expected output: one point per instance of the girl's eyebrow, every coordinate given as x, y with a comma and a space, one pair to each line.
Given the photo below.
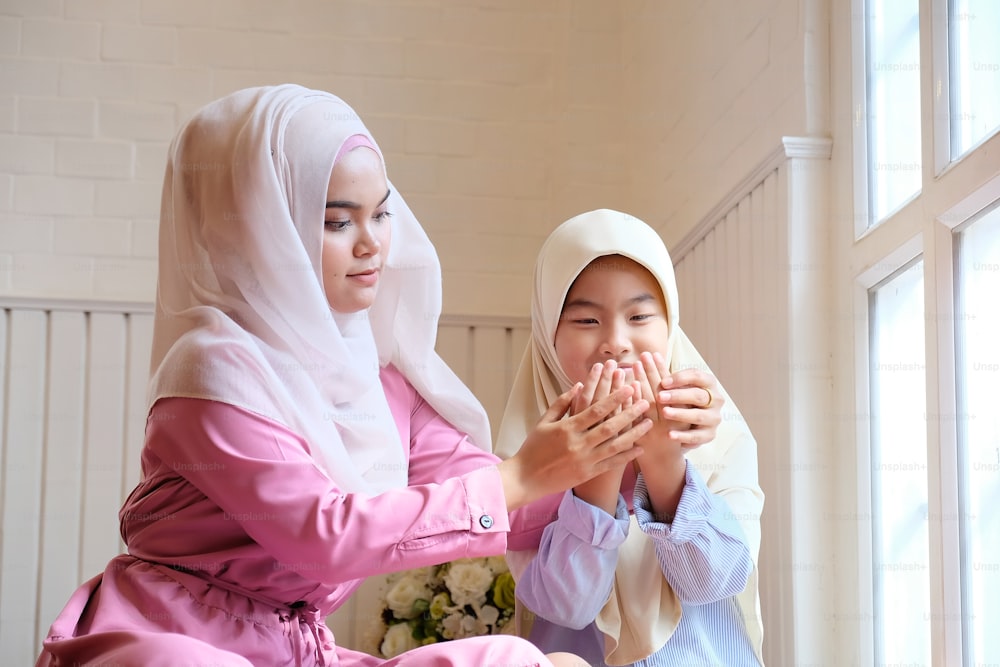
642, 298
580, 303
343, 203
587, 303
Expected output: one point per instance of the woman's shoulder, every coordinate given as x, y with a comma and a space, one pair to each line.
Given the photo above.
397, 388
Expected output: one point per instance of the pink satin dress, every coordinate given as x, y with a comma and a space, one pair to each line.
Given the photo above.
239, 546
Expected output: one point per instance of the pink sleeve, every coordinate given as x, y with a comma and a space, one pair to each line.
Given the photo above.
261, 474
439, 450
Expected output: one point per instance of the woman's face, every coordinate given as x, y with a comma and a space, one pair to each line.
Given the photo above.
613, 310
356, 231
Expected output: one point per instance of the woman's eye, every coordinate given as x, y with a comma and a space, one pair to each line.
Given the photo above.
336, 225
382, 216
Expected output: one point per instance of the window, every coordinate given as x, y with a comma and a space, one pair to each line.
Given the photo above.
925, 288
978, 422
893, 104
974, 64
899, 470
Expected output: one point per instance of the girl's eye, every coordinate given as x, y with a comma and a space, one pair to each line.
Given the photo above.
336, 225
585, 320
643, 316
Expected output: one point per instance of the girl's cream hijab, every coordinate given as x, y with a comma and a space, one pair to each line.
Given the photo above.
642, 611
241, 314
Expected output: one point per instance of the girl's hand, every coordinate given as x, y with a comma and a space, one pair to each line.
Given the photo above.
602, 490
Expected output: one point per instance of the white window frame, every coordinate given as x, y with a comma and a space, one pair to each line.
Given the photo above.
953, 192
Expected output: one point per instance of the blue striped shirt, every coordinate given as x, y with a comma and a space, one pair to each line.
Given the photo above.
702, 554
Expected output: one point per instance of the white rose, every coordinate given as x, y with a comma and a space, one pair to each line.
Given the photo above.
398, 639
468, 582
488, 615
422, 574
404, 593
460, 626
451, 625
497, 564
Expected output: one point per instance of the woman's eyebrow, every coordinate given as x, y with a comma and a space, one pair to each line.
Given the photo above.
343, 203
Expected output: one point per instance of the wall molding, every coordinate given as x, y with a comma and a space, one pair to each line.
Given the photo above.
809, 148
146, 307
75, 305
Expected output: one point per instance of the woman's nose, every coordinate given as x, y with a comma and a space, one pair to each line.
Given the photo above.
368, 243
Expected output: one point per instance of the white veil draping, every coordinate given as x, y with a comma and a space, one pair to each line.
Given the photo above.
241, 315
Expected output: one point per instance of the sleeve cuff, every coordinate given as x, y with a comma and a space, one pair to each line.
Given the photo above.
693, 511
593, 525
487, 505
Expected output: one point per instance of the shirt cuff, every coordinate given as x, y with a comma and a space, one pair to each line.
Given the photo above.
693, 511
593, 525
486, 502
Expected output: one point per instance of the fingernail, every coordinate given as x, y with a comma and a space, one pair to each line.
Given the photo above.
664, 396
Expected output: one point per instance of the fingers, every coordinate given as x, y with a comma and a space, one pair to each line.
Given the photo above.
694, 397
626, 421
692, 378
617, 382
600, 409
607, 379
647, 368
586, 395
596, 385
561, 404
693, 438
622, 448
654, 365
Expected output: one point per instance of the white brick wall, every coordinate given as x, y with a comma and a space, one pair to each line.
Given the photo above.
704, 126
498, 119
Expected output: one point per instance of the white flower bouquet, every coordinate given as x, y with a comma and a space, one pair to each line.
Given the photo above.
464, 598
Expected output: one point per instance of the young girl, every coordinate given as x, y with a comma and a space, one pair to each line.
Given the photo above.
302, 434
654, 562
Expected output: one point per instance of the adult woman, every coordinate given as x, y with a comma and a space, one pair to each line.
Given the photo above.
302, 433
669, 544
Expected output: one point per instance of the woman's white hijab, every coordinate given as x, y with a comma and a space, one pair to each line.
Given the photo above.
639, 616
241, 314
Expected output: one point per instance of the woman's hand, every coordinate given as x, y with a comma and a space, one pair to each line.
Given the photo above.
688, 414
650, 373
559, 454
691, 397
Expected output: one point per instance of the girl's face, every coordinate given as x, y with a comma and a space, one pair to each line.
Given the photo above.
356, 230
614, 310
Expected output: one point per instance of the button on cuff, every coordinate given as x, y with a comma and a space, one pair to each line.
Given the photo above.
486, 521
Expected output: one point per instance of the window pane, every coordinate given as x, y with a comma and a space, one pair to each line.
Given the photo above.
979, 435
893, 105
973, 26
899, 471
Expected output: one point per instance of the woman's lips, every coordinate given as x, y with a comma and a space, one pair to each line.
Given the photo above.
366, 278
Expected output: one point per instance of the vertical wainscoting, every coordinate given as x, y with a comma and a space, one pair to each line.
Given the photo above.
72, 410
751, 280
730, 283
